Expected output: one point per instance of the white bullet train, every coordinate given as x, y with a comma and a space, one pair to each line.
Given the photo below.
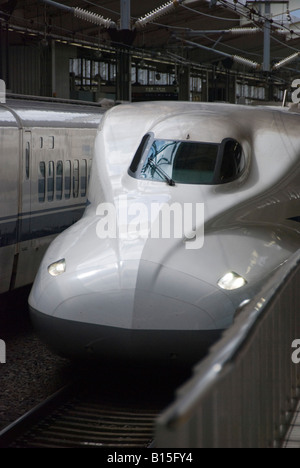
46, 152
191, 208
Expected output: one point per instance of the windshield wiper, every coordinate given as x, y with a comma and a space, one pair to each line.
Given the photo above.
161, 172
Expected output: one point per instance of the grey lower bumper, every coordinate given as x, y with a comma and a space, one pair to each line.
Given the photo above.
82, 340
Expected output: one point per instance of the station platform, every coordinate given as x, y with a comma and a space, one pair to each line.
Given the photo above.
292, 439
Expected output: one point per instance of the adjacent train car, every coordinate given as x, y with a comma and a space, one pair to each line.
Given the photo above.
46, 152
121, 282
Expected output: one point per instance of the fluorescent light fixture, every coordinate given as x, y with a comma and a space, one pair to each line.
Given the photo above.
231, 281
57, 268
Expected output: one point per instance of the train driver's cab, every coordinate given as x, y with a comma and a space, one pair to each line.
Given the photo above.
188, 162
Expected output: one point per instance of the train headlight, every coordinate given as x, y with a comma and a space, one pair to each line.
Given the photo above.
57, 268
231, 281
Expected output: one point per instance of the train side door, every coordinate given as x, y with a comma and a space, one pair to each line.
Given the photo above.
22, 274
24, 232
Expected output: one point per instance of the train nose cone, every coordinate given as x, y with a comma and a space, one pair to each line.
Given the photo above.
111, 301
130, 293
134, 309
171, 299
96, 287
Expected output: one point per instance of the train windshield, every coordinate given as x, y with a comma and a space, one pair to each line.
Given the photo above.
188, 162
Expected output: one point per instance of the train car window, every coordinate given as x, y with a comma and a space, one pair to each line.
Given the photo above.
139, 153
27, 159
83, 177
42, 182
50, 181
89, 171
233, 160
41, 142
184, 162
188, 162
75, 178
67, 180
51, 142
59, 180
195, 163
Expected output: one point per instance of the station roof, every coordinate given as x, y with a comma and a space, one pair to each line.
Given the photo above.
190, 22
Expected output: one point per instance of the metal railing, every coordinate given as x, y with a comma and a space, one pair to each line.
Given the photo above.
244, 393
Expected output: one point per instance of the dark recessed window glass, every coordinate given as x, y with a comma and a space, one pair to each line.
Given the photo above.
27, 159
59, 180
188, 162
67, 180
233, 161
138, 154
42, 182
50, 181
75, 178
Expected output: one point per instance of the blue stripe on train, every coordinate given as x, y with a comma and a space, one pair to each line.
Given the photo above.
296, 218
46, 223
8, 233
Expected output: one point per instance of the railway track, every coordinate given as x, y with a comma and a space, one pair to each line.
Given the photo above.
78, 416
107, 404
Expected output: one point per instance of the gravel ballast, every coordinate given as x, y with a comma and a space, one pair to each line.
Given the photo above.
31, 372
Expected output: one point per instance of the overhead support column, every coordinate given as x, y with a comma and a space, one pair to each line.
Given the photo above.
4, 55
204, 87
2, 49
267, 38
53, 67
123, 74
184, 84
123, 53
125, 14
